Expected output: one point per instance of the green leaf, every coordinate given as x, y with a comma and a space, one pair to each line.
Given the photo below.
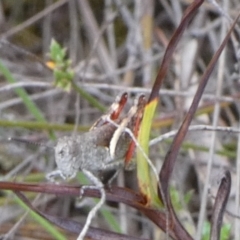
43, 222
225, 232
57, 53
146, 182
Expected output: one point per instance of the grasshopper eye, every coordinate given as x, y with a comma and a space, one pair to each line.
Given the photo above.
61, 153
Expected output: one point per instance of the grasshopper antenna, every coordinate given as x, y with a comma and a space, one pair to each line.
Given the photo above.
15, 139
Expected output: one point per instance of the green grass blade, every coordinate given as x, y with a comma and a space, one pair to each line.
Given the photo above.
41, 125
43, 222
94, 102
30, 105
146, 182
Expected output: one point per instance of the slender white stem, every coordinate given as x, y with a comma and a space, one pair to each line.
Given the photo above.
139, 147
195, 128
98, 185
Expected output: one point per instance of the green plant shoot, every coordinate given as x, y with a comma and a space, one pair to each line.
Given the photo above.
61, 66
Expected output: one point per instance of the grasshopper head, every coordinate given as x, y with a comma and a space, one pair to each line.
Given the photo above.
66, 157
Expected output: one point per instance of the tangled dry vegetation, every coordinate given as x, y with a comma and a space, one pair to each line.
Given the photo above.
116, 46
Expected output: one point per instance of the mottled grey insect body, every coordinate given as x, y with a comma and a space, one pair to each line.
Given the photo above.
107, 145
89, 151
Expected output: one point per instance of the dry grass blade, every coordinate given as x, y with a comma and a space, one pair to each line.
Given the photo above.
171, 156
115, 194
76, 227
220, 205
188, 15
